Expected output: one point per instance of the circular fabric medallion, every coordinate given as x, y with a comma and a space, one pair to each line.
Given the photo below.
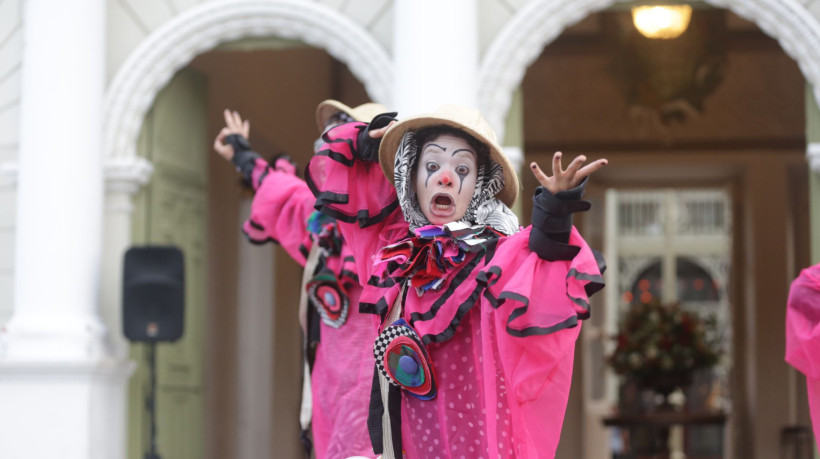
403, 359
329, 300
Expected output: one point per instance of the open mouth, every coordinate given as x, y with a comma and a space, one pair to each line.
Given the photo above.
442, 202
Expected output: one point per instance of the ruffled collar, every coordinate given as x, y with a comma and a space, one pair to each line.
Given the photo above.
431, 252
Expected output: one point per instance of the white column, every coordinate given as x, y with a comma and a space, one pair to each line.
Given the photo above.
59, 211
435, 49
61, 395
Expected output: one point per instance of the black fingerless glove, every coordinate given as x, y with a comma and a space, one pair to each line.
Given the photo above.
368, 147
243, 157
552, 222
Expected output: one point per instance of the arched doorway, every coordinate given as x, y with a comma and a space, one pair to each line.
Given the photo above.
757, 310
162, 116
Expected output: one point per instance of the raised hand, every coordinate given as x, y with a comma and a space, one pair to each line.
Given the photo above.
562, 180
233, 125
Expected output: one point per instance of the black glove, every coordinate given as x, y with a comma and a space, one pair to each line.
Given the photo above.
243, 157
368, 147
552, 222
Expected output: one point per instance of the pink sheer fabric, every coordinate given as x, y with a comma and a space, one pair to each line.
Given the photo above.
500, 331
342, 371
341, 386
803, 335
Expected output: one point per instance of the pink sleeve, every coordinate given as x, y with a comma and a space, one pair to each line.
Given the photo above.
357, 194
803, 323
540, 303
280, 209
813, 386
803, 335
535, 296
541, 391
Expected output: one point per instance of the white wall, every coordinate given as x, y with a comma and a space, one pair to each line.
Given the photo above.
11, 38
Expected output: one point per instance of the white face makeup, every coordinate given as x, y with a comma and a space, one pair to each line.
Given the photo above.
446, 176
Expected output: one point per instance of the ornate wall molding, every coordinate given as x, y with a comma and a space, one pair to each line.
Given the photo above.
813, 156
127, 174
540, 21
172, 46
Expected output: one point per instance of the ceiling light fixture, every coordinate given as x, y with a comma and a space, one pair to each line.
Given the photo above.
663, 22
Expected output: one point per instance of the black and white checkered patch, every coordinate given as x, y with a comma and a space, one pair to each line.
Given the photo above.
383, 341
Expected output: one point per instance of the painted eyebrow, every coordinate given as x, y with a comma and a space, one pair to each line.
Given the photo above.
462, 150
435, 145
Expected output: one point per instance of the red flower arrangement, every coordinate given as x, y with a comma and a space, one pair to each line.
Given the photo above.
660, 346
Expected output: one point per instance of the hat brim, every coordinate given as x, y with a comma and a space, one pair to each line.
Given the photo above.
392, 138
326, 109
364, 113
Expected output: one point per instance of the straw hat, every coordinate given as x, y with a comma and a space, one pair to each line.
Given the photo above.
468, 120
365, 112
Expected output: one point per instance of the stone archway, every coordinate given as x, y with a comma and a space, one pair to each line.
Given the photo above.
171, 47
541, 21
197, 30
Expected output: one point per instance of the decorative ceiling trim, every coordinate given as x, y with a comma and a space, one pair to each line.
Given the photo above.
197, 30
539, 22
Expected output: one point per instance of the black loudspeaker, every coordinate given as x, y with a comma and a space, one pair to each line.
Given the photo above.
153, 294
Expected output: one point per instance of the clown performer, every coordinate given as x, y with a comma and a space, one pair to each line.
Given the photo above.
475, 351
337, 336
803, 336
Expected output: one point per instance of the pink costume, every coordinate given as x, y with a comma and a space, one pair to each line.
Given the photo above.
499, 332
340, 379
803, 335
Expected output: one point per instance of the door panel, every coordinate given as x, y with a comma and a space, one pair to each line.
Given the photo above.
172, 210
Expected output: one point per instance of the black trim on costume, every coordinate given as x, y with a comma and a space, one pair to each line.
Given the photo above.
394, 410
455, 282
350, 258
258, 241
490, 277
599, 258
255, 225
375, 413
571, 321
462, 311
596, 283
304, 251
377, 308
375, 282
324, 199
349, 274
262, 241
262, 177
490, 247
336, 156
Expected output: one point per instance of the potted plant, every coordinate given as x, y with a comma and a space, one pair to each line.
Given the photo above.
659, 347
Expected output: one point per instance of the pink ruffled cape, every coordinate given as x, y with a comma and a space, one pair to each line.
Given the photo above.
803, 335
500, 331
340, 380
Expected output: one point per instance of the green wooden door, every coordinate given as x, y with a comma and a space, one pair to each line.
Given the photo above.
172, 210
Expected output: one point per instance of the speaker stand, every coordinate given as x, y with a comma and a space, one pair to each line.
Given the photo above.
150, 402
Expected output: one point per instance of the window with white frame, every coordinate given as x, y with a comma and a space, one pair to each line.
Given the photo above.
671, 245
